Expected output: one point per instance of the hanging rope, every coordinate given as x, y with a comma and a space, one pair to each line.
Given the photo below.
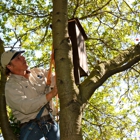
48, 82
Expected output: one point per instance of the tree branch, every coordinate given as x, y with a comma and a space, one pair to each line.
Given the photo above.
104, 70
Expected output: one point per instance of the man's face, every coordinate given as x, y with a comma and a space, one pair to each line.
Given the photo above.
17, 64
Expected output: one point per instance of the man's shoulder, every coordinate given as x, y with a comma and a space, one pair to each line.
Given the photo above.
13, 81
14, 77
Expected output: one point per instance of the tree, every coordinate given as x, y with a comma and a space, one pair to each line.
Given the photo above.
110, 26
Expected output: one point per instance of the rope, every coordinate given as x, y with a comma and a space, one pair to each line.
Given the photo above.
48, 82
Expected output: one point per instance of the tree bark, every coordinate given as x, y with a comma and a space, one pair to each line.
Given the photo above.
71, 109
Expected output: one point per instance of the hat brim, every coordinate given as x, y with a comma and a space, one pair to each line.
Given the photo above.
17, 53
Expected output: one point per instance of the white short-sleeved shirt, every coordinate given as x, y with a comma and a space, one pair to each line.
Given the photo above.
26, 96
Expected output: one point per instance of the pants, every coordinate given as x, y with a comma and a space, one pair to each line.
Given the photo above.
48, 131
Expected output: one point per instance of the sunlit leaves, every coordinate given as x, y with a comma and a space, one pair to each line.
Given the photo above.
114, 109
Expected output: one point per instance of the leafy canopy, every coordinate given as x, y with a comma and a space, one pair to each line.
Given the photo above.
111, 27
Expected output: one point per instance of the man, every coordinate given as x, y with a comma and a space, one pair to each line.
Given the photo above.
26, 93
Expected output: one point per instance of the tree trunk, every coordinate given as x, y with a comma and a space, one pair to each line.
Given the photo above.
71, 112
5, 126
70, 122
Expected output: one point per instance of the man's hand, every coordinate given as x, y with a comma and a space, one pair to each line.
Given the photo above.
51, 94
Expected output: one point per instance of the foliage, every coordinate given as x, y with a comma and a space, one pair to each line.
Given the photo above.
13, 122
113, 111
111, 27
